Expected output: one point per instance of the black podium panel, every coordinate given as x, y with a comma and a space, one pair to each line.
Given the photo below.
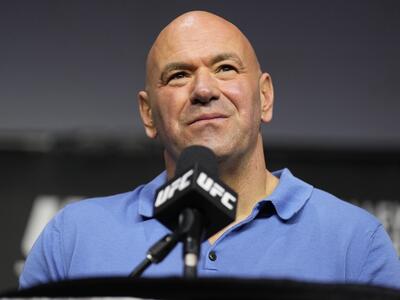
203, 288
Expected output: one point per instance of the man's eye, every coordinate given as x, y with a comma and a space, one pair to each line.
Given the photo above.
226, 68
176, 76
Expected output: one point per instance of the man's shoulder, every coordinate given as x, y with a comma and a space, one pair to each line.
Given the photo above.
355, 237
316, 205
124, 208
103, 202
338, 211
97, 208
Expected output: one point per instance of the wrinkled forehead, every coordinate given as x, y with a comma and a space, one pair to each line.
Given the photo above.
198, 38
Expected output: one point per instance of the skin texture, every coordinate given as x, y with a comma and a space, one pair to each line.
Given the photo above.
204, 87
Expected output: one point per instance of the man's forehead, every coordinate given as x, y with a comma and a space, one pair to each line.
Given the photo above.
206, 34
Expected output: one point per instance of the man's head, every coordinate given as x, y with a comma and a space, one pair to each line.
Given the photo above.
204, 86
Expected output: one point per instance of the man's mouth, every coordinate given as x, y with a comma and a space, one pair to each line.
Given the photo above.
208, 117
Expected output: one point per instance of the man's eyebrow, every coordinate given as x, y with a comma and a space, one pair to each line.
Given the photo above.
176, 66
185, 66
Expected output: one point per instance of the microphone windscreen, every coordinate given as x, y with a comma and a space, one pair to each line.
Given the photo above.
200, 155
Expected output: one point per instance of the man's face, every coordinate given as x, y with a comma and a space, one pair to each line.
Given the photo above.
203, 88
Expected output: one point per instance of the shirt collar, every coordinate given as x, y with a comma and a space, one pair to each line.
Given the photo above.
290, 195
288, 198
148, 193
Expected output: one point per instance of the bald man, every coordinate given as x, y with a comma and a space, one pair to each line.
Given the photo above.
204, 87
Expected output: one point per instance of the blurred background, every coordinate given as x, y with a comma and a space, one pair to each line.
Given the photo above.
70, 129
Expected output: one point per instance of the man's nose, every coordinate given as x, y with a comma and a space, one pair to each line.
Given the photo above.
205, 88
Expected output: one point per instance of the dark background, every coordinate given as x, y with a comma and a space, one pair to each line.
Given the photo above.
70, 72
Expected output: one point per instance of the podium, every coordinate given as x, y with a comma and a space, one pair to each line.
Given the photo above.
201, 288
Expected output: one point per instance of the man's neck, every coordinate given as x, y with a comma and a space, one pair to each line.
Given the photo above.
250, 179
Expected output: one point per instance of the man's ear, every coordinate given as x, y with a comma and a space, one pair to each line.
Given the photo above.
266, 97
146, 114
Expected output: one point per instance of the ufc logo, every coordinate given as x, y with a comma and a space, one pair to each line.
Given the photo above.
178, 184
216, 190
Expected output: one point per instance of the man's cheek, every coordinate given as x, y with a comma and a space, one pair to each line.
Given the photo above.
234, 90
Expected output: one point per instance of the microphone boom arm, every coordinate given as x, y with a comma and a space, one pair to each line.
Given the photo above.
157, 252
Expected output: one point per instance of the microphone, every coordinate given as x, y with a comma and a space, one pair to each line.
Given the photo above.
194, 205
196, 186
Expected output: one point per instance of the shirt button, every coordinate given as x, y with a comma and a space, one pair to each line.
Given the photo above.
212, 256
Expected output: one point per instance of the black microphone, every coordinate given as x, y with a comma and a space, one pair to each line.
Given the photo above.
196, 186
194, 205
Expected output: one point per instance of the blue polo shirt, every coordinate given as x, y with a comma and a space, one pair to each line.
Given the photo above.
299, 232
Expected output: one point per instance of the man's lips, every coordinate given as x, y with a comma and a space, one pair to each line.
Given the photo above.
207, 117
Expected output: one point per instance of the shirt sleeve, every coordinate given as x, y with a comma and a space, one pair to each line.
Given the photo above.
382, 265
45, 261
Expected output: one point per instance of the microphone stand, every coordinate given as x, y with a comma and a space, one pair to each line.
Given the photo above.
191, 223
